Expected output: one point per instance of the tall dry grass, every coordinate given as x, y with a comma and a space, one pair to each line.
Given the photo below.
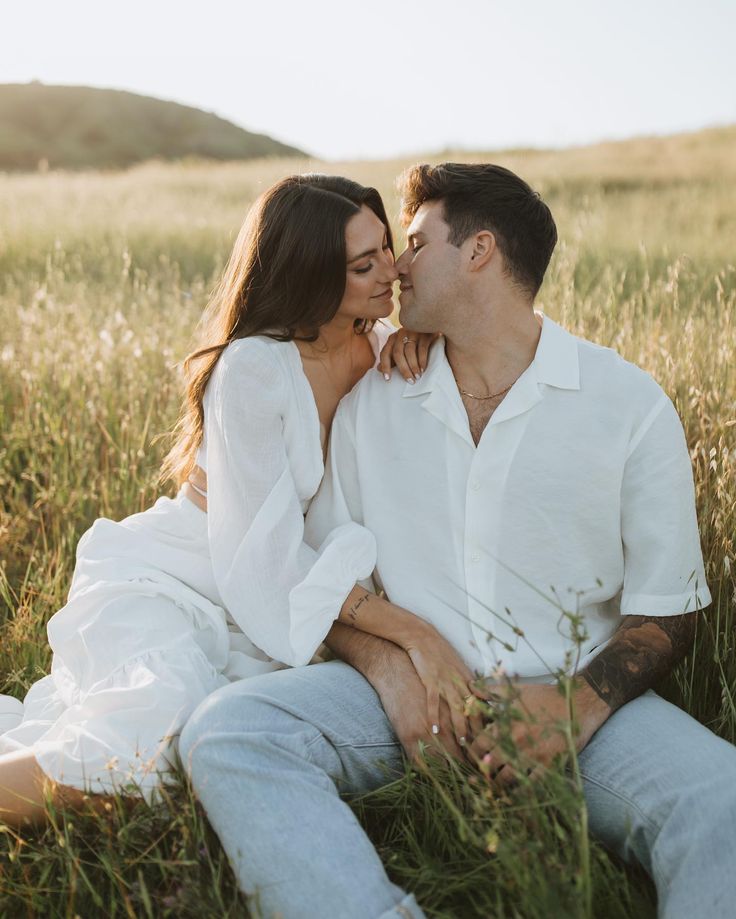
102, 278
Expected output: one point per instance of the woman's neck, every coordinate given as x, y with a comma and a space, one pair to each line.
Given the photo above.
336, 338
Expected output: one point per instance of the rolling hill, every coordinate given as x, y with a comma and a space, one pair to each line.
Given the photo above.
80, 127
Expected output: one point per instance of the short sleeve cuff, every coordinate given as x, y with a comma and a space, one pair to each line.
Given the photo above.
658, 605
347, 555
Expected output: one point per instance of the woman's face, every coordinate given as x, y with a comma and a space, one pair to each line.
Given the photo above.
370, 269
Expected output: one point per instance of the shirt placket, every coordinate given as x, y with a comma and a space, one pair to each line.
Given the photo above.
480, 542
484, 515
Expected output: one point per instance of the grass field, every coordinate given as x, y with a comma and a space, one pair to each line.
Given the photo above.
102, 278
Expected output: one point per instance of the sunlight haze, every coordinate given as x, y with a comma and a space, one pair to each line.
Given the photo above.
379, 79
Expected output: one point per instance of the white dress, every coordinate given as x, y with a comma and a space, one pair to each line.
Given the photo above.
167, 605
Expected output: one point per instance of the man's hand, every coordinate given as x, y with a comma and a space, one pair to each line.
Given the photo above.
389, 670
641, 652
532, 721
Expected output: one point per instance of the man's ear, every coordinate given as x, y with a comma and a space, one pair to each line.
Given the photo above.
483, 248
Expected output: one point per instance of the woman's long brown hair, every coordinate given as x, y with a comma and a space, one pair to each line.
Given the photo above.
285, 278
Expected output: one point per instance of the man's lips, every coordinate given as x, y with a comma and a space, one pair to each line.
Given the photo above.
403, 287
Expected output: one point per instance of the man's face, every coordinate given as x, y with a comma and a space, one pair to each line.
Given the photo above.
429, 272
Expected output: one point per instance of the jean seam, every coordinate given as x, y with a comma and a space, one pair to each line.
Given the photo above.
632, 804
369, 745
354, 746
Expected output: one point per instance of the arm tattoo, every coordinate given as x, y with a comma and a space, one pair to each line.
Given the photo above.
642, 651
353, 611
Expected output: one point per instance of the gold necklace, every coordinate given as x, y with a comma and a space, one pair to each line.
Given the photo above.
493, 395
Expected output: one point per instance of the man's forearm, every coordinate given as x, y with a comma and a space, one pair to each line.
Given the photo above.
368, 654
641, 652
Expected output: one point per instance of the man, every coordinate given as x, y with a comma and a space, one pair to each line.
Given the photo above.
531, 497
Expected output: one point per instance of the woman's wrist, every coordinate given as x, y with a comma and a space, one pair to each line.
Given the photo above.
408, 629
373, 614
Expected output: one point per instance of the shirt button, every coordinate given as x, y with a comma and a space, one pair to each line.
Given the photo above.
475, 557
475, 485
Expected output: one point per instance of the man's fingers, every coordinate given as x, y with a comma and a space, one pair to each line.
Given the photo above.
504, 776
476, 725
482, 743
536, 773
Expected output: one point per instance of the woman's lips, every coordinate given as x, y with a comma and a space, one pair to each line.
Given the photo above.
386, 295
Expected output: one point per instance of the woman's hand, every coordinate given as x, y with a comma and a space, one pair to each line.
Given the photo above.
445, 677
408, 351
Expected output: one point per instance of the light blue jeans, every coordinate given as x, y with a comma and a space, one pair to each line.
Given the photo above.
269, 757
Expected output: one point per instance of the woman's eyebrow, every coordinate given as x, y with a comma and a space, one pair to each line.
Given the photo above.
362, 255
367, 252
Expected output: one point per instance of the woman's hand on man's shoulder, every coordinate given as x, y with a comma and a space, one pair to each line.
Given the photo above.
408, 351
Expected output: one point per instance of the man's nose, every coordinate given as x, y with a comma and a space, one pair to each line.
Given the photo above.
401, 262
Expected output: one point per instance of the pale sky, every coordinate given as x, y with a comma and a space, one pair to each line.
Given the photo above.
360, 80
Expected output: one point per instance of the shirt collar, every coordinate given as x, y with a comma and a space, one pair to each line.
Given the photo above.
555, 362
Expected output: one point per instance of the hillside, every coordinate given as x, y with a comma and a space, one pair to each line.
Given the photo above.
79, 127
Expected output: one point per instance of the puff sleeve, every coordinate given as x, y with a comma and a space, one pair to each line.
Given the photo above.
282, 593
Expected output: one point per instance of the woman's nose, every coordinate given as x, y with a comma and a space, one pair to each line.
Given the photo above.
390, 271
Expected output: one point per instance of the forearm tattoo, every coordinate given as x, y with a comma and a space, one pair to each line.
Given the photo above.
353, 611
642, 651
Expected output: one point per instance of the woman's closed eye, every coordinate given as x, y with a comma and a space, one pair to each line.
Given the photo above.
386, 248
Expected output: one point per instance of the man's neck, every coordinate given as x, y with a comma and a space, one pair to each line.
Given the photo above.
491, 354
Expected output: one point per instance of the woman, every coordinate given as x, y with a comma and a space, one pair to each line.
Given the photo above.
160, 611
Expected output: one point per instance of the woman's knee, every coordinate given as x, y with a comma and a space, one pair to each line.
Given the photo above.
243, 709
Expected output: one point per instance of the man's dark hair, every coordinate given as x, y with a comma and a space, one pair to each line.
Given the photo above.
487, 197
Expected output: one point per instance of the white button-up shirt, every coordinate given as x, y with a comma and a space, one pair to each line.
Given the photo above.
575, 508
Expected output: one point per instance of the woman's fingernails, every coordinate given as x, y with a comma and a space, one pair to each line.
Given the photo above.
410, 380
387, 377
435, 729
463, 741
